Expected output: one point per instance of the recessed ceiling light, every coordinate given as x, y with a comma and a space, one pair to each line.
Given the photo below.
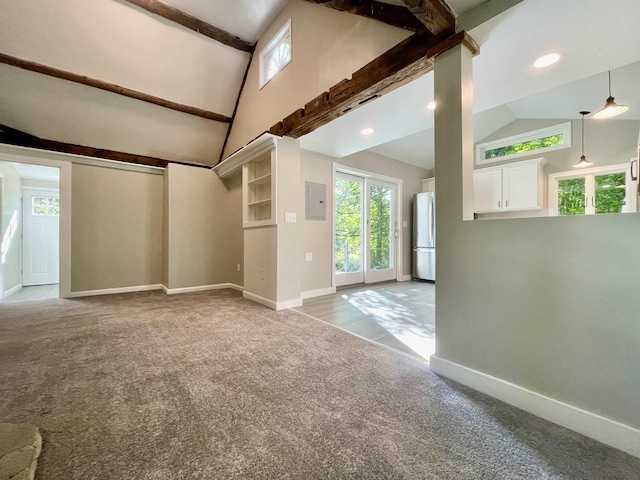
367, 131
547, 60
431, 105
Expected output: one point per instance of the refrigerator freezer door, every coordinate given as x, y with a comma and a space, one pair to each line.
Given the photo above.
424, 263
424, 220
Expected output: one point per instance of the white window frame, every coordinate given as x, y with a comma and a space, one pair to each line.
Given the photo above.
590, 174
283, 35
561, 128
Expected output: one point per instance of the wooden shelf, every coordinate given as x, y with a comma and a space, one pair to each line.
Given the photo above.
259, 202
260, 180
259, 190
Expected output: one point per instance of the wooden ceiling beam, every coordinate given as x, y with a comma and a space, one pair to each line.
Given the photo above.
433, 14
11, 136
395, 15
406, 61
189, 21
110, 87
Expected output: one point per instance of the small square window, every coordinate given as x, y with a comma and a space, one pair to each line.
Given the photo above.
276, 55
45, 206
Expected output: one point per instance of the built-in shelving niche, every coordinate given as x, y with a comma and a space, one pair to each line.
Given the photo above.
258, 163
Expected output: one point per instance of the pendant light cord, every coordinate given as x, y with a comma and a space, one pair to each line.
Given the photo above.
583, 134
609, 82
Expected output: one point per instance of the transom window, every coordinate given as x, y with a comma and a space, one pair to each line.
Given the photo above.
592, 191
276, 55
543, 140
45, 206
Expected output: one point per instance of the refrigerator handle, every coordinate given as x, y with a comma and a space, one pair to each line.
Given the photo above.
433, 223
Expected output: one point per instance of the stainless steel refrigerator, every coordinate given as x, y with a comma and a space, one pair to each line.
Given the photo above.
424, 236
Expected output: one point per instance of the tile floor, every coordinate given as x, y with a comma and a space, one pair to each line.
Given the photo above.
399, 315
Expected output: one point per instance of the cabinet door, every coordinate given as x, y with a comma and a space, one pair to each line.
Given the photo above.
521, 187
487, 191
429, 184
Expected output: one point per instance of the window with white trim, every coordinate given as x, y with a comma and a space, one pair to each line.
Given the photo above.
543, 140
598, 190
45, 206
276, 55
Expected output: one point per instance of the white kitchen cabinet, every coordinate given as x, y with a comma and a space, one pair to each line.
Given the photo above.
513, 187
487, 190
428, 184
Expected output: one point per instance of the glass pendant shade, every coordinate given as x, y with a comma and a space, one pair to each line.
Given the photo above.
582, 163
611, 108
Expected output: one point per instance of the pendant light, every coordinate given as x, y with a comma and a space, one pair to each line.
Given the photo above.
583, 162
611, 108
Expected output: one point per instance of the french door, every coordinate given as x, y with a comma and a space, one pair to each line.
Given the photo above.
365, 230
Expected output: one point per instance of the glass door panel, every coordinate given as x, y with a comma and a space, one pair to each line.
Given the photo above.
381, 231
349, 229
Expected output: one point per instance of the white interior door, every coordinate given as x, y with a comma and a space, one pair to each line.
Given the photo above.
40, 237
365, 230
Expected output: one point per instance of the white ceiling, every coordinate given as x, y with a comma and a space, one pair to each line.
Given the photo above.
245, 19
506, 86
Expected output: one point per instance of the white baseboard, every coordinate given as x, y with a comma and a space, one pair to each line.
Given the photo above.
11, 290
111, 291
258, 299
317, 293
272, 304
201, 288
297, 302
605, 430
404, 278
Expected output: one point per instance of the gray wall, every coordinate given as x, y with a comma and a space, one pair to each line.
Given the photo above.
203, 229
316, 236
607, 142
116, 229
549, 304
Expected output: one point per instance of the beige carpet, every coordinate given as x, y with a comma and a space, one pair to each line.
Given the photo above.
212, 386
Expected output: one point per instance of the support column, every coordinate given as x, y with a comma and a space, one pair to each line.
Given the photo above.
453, 87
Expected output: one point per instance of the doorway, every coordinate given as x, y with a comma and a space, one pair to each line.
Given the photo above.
366, 234
35, 226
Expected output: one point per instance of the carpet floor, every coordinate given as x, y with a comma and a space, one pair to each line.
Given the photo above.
212, 386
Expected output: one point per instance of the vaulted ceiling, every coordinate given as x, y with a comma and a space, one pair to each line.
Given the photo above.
121, 45
143, 80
